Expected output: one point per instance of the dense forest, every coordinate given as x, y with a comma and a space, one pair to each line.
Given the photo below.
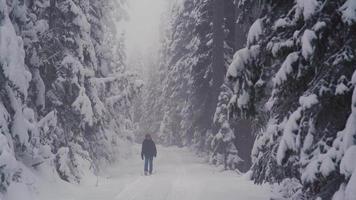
288, 88
65, 92
263, 87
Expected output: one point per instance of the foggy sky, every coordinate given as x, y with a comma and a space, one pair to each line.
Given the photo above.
142, 29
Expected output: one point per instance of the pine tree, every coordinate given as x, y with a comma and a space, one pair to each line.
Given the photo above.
65, 91
289, 77
18, 131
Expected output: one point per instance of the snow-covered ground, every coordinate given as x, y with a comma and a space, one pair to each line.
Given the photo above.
178, 174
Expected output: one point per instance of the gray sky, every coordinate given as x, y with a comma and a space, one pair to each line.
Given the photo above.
142, 29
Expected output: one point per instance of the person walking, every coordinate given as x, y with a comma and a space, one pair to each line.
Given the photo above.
148, 151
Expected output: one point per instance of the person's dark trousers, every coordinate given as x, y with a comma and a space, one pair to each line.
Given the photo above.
148, 164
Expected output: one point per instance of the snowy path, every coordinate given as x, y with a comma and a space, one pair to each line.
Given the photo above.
178, 175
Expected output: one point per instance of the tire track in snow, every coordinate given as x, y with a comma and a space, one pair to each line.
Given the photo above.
184, 187
129, 193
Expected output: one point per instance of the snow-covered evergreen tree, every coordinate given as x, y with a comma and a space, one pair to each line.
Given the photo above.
18, 130
65, 91
188, 82
295, 77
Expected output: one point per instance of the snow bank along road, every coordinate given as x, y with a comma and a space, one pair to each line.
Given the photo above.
178, 174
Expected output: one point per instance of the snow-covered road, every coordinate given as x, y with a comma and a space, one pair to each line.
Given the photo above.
178, 175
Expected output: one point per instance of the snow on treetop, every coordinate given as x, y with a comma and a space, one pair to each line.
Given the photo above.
347, 167
348, 10
319, 25
12, 55
290, 140
345, 142
307, 43
255, 32
307, 7
348, 162
341, 89
243, 99
286, 68
289, 137
308, 101
83, 105
241, 58
281, 22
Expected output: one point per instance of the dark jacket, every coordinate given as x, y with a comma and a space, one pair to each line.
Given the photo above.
148, 148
